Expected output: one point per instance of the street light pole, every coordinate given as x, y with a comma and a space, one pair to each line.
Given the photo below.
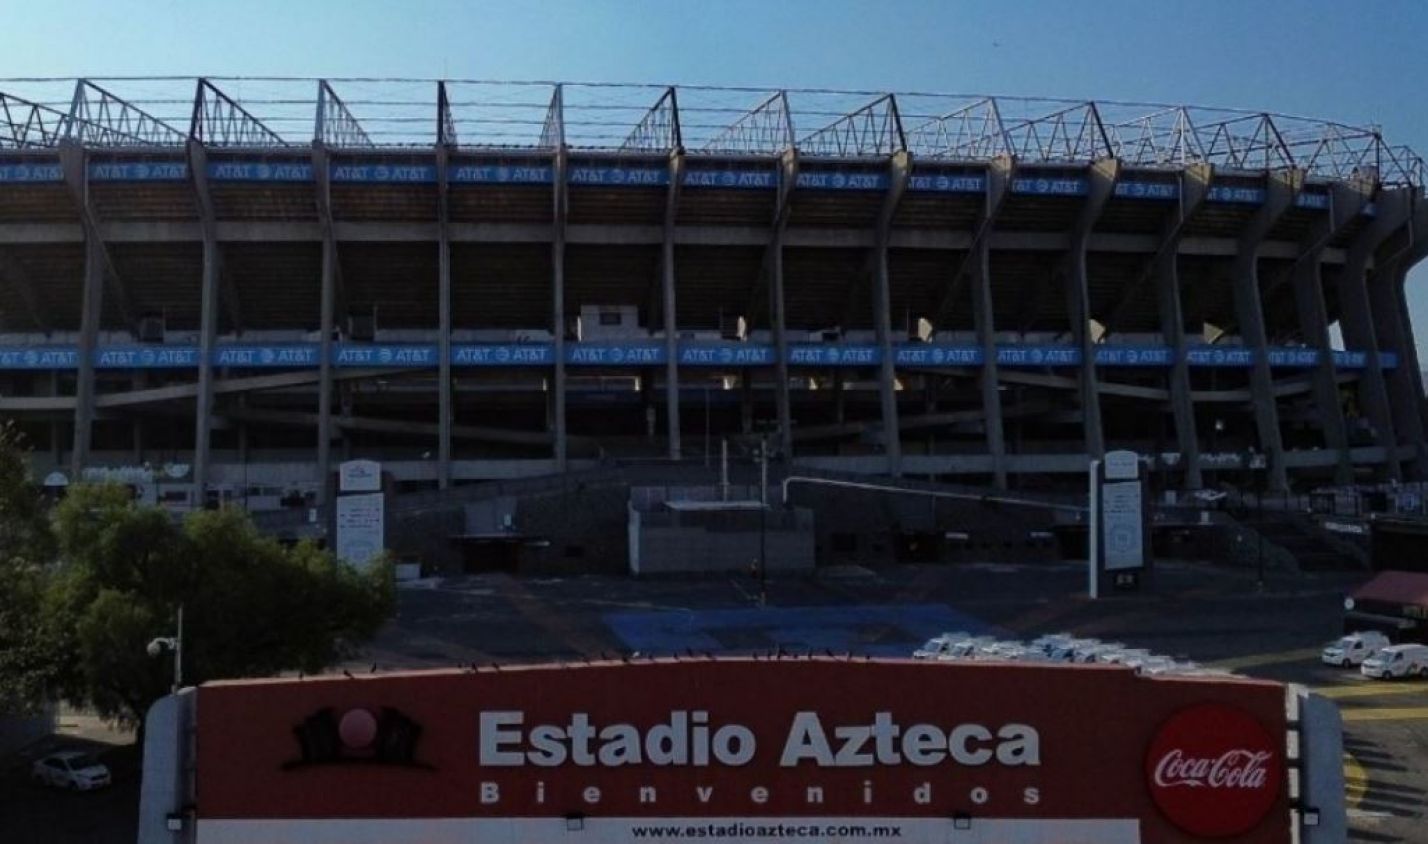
763, 517
175, 644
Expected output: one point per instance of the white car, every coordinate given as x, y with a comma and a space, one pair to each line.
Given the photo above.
1066, 651
1397, 661
1354, 648
1124, 656
966, 648
70, 769
938, 645
999, 651
1046, 644
1096, 653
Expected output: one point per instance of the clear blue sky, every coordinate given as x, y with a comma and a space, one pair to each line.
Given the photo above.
1354, 62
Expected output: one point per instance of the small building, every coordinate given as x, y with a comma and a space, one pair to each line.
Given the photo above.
1395, 602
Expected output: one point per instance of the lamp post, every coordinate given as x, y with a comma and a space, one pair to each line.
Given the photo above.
175, 644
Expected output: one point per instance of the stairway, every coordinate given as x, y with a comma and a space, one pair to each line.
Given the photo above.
1301, 536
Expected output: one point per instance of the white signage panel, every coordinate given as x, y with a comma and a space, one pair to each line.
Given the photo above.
360, 523
359, 476
1122, 465
1121, 521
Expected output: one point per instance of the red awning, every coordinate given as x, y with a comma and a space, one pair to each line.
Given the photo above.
1396, 587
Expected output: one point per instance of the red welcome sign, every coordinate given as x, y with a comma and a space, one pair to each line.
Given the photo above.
1099, 752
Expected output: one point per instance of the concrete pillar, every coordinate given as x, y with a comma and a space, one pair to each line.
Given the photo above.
1280, 191
1102, 177
327, 324
557, 258
91, 305
899, 170
1314, 326
671, 328
207, 321
1356, 318
1405, 396
788, 178
999, 175
445, 410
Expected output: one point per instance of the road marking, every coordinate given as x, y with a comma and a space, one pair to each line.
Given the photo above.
1255, 660
1372, 688
1356, 781
1416, 713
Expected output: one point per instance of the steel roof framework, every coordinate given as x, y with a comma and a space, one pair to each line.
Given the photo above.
707, 120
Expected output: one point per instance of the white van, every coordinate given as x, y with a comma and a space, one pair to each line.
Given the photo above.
1354, 648
1397, 661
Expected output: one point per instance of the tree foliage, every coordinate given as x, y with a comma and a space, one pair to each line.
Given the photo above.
90, 584
26, 545
252, 607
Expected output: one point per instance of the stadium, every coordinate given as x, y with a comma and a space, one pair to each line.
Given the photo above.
228, 286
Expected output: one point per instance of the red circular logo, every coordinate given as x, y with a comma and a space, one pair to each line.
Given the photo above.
1214, 771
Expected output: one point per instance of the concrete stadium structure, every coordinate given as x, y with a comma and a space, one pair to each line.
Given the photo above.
244, 281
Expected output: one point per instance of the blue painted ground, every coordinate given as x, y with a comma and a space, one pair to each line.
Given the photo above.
875, 630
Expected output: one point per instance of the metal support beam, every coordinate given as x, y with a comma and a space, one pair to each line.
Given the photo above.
327, 321
445, 408
899, 169
207, 319
1102, 176
1281, 189
1164, 267
671, 329
1356, 318
557, 257
978, 267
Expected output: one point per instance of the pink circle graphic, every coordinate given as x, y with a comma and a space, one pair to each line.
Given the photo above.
357, 729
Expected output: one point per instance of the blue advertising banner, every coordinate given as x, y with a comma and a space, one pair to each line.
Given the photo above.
406, 355
500, 174
1243, 195
1147, 190
1112, 355
758, 179
652, 353
138, 171
943, 183
260, 171
416, 174
292, 355
1317, 201
502, 354
39, 172
829, 180
651, 177
1044, 186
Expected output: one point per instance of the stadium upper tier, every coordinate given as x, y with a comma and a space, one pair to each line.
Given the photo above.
376, 114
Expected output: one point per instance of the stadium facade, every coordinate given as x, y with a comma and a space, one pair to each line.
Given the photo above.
232, 287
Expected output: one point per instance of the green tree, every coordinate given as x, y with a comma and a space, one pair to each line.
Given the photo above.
252, 607
26, 547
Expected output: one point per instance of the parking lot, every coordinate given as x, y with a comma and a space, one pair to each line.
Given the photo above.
1213, 616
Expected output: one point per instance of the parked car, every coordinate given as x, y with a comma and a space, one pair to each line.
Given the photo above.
71, 769
1397, 661
1123, 656
965, 648
1066, 651
1354, 648
999, 650
938, 645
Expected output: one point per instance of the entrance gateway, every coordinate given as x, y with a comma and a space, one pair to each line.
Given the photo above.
743, 750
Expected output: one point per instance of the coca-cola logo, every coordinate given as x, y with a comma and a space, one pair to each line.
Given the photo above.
1214, 771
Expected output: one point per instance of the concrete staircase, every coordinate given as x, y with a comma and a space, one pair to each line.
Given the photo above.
1313, 548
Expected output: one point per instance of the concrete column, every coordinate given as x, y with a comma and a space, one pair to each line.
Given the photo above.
1281, 189
1405, 319
1356, 318
671, 328
327, 323
783, 404
56, 428
899, 170
557, 258
91, 305
999, 175
1102, 177
207, 321
1314, 326
1403, 392
445, 410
